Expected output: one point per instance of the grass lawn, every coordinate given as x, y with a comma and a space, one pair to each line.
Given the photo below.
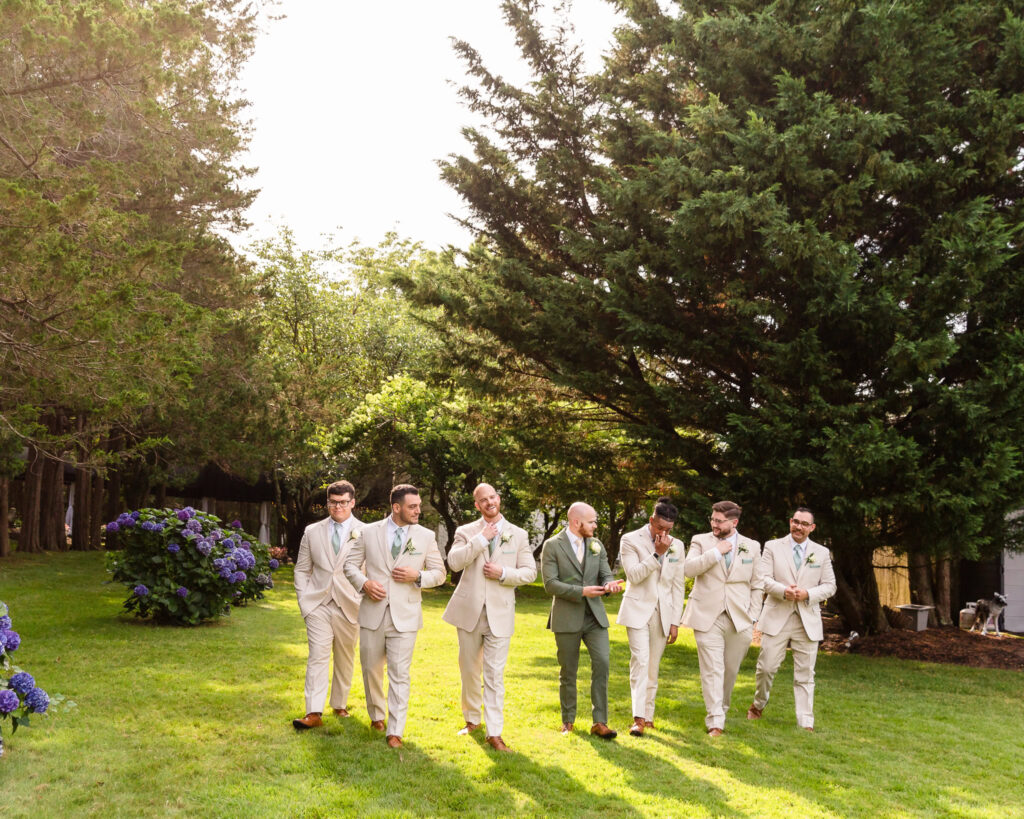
197, 722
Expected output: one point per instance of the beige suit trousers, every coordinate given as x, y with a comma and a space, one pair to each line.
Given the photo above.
720, 650
646, 645
483, 654
327, 627
773, 652
377, 646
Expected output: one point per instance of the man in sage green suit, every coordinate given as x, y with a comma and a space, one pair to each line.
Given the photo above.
574, 567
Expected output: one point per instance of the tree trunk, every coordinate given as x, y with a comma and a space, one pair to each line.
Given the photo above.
29, 541
944, 591
96, 513
51, 507
160, 496
921, 583
5, 521
857, 591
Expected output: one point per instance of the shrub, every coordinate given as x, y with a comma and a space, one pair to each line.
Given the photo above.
184, 566
19, 695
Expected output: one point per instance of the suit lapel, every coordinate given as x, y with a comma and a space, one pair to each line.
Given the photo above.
567, 546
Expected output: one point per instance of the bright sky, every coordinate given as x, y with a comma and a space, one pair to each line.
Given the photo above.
354, 102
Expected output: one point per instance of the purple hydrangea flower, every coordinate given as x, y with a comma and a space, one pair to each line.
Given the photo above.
204, 548
135, 514
22, 682
194, 526
5, 623
173, 548
112, 526
274, 564
216, 534
236, 524
247, 545
8, 701
182, 515
263, 579
37, 700
125, 521
11, 639
238, 577
226, 573
140, 590
182, 591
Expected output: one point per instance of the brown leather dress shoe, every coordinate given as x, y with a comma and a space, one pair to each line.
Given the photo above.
498, 744
637, 728
308, 721
753, 712
715, 732
599, 729
648, 723
808, 728
341, 712
566, 728
393, 741
468, 728
377, 725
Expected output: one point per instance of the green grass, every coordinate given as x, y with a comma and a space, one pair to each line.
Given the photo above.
196, 722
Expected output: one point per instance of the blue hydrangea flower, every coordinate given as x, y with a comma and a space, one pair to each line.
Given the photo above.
238, 577
194, 525
8, 701
274, 564
140, 590
126, 521
216, 534
204, 548
182, 515
5, 623
11, 639
226, 573
236, 524
37, 700
135, 514
22, 682
182, 591
247, 545
173, 548
112, 526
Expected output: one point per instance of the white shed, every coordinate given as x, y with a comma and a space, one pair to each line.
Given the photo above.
1013, 588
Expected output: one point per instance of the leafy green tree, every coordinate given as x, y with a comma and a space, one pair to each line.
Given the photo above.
781, 244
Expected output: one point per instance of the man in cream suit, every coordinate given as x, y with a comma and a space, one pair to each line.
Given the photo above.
798, 578
400, 557
494, 557
652, 605
574, 566
723, 606
328, 603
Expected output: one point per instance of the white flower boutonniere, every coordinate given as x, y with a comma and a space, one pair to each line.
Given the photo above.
409, 548
355, 534
506, 536
673, 550
742, 549
595, 547
811, 562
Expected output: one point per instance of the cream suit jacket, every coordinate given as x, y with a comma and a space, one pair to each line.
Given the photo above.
737, 590
468, 554
319, 573
651, 582
815, 575
404, 599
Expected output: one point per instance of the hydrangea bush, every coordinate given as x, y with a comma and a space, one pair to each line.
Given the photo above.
19, 695
184, 566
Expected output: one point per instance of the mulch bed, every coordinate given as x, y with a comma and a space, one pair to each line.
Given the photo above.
946, 644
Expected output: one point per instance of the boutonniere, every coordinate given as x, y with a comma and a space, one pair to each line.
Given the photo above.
506, 536
355, 534
595, 547
673, 549
409, 548
742, 549
810, 561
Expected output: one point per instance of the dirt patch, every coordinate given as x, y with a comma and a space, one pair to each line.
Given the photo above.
946, 644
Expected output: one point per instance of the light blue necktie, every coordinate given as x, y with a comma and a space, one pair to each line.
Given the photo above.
336, 539
796, 556
492, 544
396, 545
728, 559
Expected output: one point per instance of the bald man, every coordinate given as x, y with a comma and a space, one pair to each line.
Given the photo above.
494, 557
574, 566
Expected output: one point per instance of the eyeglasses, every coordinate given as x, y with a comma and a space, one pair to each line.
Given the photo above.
719, 520
803, 524
341, 503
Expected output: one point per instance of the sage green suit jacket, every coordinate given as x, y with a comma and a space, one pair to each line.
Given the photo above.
565, 578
